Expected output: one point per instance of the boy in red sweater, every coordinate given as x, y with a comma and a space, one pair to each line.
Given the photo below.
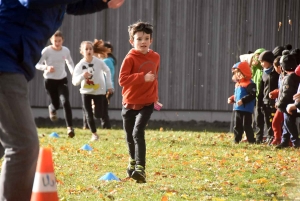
138, 78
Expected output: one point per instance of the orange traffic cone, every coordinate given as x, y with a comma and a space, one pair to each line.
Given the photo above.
44, 186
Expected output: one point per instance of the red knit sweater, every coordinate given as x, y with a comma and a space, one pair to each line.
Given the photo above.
133, 69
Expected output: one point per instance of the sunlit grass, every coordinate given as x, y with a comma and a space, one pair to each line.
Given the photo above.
181, 165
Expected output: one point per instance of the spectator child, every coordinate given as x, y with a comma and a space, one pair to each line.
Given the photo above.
138, 78
52, 63
288, 88
244, 101
268, 83
89, 72
278, 117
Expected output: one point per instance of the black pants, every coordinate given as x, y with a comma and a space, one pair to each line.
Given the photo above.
58, 90
243, 122
134, 124
103, 115
264, 116
100, 110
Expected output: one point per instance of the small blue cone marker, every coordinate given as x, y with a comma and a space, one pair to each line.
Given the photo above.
109, 176
54, 134
87, 147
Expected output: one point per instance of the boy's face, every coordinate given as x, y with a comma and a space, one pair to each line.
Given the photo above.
87, 51
56, 42
141, 42
265, 64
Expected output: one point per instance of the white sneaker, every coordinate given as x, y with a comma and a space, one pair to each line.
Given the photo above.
95, 137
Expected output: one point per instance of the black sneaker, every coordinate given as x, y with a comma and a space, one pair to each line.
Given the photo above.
139, 174
282, 146
131, 167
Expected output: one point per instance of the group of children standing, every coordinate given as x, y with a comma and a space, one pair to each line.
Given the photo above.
266, 86
94, 73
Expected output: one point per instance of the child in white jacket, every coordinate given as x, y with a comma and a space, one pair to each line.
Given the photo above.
89, 72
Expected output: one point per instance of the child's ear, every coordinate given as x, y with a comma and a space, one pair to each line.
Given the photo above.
131, 42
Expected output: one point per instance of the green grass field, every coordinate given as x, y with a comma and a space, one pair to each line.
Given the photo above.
181, 165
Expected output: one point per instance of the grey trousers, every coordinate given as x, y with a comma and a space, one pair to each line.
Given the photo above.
19, 144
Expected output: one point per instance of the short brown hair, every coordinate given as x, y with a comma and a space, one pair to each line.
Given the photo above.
58, 33
140, 26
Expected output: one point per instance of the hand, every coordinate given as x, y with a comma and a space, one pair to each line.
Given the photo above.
230, 101
115, 3
290, 108
270, 95
296, 97
111, 90
239, 103
149, 77
87, 75
50, 69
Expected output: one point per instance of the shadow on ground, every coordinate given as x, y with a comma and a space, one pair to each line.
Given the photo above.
173, 125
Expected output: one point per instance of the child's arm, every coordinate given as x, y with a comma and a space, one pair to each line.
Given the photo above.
287, 92
251, 89
108, 76
126, 77
41, 64
260, 94
78, 75
111, 67
69, 62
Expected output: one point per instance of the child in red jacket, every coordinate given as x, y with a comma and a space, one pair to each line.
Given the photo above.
138, 78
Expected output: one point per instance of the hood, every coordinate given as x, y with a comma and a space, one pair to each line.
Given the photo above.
246, 57
244, 68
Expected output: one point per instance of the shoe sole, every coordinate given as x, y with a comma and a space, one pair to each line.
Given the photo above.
138, 177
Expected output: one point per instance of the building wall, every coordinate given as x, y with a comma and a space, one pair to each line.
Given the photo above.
198, 40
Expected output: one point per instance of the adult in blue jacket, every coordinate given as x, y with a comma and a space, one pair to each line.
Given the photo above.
25, 28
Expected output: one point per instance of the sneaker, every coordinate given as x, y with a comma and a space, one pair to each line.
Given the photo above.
139, 174
95, 137
282, 146
52, 114
131, 167
71, 132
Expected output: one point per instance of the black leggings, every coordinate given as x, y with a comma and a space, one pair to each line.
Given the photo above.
58, 90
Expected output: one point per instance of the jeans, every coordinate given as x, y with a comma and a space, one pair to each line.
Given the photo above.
134, 124
19, 142
290, 131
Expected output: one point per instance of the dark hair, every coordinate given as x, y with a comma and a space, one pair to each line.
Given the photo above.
288, 47
140, 26
110, 54
277, 61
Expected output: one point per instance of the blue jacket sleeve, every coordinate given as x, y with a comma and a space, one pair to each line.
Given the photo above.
86, 7
74, 7
35, 4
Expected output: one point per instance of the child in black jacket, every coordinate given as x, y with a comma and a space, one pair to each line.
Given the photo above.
268, 83
288, 88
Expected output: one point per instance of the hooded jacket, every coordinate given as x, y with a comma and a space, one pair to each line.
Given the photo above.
133, 70
27, 25
256, 68
245, 89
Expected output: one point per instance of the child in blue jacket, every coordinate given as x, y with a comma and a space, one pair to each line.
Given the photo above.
244, 101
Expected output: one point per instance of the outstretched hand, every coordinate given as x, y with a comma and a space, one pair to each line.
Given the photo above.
115, 3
